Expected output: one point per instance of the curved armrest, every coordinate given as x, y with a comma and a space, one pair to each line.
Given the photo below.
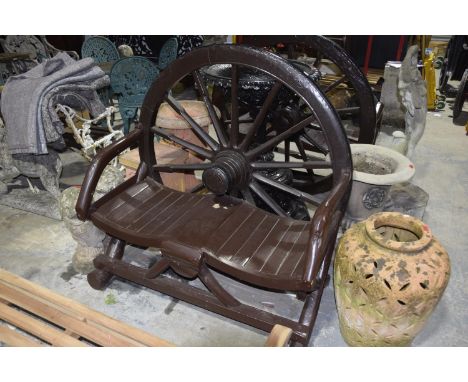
325, 224
97, 166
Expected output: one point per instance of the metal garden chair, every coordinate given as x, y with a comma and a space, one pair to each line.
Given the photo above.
100, 49
168, 53
131, 77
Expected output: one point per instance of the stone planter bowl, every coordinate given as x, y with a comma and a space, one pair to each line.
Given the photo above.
376, 169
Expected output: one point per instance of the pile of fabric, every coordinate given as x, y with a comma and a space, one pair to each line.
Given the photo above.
29, 99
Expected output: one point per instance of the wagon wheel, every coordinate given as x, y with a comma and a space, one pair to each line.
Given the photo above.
361, 108
461, 95
238, 159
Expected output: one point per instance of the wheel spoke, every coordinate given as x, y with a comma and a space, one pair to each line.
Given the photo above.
334, 84
318, 60
197, 188
182, 167
318, 164
261, 115
303, 182
234, 130
283, 187
308, 136
268, 145
195, 126
287, 148
262, 194
348, 110
205, 154
211, 110
304, 156
247, 195
248, 120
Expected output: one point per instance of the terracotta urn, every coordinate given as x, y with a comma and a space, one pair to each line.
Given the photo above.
168, 118
389, 275
168, 152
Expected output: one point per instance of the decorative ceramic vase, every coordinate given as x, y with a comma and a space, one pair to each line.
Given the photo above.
389, 275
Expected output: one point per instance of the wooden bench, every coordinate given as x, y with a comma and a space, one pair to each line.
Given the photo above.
236, 227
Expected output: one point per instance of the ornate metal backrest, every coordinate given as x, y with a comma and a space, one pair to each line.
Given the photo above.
100, 49
26, 44
168, 53
131, 77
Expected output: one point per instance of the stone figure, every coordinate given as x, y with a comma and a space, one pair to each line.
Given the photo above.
89, 239
413, 92
47, 167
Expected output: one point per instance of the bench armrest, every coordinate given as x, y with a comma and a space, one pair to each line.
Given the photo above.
324, 228
97, 166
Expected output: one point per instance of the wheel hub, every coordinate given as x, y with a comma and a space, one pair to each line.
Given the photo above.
231, 171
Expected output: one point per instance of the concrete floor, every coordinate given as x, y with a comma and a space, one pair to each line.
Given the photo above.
40, 249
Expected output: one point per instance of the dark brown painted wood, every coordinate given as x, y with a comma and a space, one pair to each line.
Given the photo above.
200, 233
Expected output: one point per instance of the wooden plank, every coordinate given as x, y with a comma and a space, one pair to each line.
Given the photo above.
132, 336
78, 320
4, 302
98, 336
72, 334
279, 336
93, 317
37, 328
12, 338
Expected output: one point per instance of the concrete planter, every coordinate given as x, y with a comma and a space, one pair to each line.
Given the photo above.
376, 169
389, 275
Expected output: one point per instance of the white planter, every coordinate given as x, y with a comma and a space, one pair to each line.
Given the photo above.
376, 169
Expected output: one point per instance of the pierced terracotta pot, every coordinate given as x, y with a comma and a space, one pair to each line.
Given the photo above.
390, 273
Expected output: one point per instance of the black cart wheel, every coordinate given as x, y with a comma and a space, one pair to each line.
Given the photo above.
252, 160
358, 109
361, 104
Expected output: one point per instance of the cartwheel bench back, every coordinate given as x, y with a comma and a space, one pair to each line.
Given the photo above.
235, 222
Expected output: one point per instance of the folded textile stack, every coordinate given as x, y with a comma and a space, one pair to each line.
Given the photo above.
29, 100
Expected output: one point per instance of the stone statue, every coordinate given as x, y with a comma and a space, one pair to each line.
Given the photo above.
413, 93
89, 239
46, 167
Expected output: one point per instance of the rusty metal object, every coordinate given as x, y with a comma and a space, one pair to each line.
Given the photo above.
199, 233
390, 273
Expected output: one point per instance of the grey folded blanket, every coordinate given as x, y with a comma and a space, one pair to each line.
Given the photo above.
29, 99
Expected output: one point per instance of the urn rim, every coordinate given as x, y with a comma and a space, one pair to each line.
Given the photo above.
398, 220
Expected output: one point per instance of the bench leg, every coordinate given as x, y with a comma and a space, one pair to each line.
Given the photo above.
215, 287
99, 278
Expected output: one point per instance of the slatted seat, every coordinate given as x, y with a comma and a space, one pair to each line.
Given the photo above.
238, 237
